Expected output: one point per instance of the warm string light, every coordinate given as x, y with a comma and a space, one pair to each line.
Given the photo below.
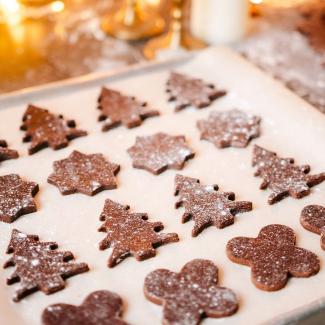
153, 2
57, 6
10, 11
278, 3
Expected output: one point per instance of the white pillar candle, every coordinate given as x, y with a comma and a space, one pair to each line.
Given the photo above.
219, 21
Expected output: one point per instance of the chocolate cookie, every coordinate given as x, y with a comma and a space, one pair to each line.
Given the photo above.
232, 128
99, 308
38, 266
205, 205
130, 233
186, 91
160, 151
44, 129
273, 257
282, 176
190, 295
313, 219
87, 174
5, 153
117, 109
16, 197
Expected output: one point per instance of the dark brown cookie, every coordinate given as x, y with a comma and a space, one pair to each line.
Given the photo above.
38, 266
205, 205
44, 129
87, 174
16, 197
312, 24
5, 153
99, 308
117, 109
158, 152
313, 219
273, 257
190, 295
282, 176
186, 91
232, 128
130, 233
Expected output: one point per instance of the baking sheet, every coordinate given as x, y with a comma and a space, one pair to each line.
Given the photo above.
290, 127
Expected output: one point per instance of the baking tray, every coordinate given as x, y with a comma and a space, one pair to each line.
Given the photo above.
290, 126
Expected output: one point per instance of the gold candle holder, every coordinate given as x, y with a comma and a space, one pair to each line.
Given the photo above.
177, 36
132, 23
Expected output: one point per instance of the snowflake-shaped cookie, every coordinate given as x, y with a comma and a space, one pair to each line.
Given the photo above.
160, 151
232, 128
87, 174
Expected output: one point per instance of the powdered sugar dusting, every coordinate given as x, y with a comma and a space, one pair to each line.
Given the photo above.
205, 205
189, 295
38, 266
273, 257
88, 174
130, 233
160, 151
16, 197
229, 128
282, 176
187, 91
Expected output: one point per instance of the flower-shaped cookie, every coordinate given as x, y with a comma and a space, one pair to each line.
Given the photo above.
99, 308
273, 256
313, 219
191, 294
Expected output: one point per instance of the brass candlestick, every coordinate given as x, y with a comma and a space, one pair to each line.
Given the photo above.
176, 37
133, 23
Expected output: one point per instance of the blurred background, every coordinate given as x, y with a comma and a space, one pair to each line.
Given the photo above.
42, 41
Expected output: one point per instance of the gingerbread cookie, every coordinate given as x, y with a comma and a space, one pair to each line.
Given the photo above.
282, 176
44, 129
38, 266
16, 197
186, 91
232, 128
190, 295
87, 174
117, 109
313, 219
5, 153
205, 205
99, 308
273, 257
312, 25
160, 151
130, 233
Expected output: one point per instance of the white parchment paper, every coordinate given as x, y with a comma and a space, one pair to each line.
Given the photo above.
290, 127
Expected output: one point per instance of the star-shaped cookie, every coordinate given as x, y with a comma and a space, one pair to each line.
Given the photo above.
160, 151
87, 174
